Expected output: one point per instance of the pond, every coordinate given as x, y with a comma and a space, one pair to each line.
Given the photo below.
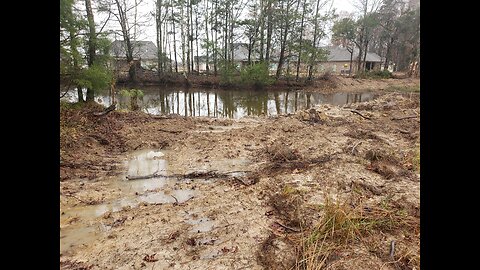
227, 103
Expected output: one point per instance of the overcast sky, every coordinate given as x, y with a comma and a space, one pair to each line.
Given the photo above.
150, 31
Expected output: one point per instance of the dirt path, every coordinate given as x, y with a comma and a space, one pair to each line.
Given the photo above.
365, 156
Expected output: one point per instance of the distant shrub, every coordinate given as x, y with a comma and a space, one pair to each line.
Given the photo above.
228, 73
326, 76
374, 74
134, 95
256, 75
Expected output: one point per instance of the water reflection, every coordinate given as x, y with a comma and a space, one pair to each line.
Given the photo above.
228, 103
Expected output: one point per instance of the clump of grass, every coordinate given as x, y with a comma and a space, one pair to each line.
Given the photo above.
342, 224
315, 255
374, 74
406, 88
289, 190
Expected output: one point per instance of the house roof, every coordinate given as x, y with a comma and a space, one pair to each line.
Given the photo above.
240, 52
339, 54
336, 54
141, 49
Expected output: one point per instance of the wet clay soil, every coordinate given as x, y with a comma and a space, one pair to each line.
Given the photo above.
219, 199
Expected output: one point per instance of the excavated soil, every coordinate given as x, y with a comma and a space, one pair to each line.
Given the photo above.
237, 194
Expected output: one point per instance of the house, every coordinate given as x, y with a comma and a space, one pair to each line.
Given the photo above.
338, 60
240, 57
143, 51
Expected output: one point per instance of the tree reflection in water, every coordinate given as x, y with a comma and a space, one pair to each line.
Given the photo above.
230, 103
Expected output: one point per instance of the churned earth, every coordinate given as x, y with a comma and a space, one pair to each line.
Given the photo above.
335, 187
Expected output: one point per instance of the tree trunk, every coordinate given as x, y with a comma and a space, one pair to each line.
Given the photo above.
262, 29
387, 54
169, 46
182, 34
314, 53
215, 45
360, 52
283, 44
277, 103
80, 94
188, 38
159, 38
75, 54
365, 56
225, 33
250, 47
207, 68
301, 40
174, 40
91, 45
196, 40
351, 61
231, 36
191, 35
126, 36
269, 32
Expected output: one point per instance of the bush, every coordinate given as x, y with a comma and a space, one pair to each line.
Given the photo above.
228, 73
256, 75
96, 77
374, 74
326, 76
134, 95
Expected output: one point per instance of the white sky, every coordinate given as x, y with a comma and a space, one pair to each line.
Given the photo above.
150, 31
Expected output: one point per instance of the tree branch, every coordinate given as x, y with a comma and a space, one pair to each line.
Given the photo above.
101, 29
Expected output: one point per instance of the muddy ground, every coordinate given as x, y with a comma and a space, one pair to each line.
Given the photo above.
253, 193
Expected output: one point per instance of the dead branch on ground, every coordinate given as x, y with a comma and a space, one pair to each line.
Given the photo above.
286, 227
193, 175
170, 131
107, 110
405, 117
357, 112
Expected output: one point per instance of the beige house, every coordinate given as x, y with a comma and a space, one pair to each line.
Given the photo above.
143, 51
338, 61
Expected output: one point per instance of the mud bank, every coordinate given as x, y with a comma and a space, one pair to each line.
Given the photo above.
242, 194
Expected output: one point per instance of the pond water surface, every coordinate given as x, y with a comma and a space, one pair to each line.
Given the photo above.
227, 103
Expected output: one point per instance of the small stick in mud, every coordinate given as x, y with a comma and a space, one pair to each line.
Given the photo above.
403, 131
169, 131
195, 174
176, 200
357, 112
286, 227
353, 149
392, 249
405, 117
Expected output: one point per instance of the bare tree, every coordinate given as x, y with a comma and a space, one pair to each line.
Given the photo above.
131, 26
92, 36
367, 8
300, 43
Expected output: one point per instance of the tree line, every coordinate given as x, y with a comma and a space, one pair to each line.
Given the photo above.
287, 33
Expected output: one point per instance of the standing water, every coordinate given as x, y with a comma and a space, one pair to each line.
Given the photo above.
78, 224
227, 103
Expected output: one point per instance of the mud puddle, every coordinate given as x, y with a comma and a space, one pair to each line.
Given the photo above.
78, 225
83, 225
